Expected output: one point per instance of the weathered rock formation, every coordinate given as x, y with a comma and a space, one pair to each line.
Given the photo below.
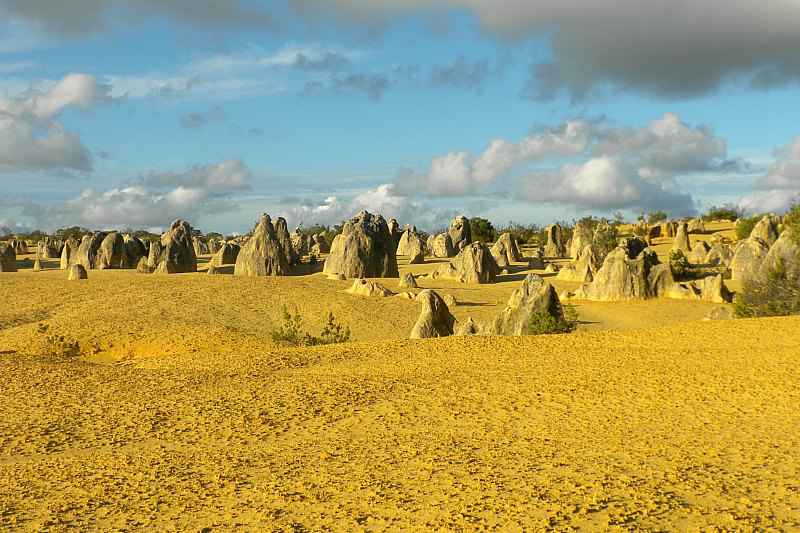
112, 252
441, 246
505, 251
177, 250
681, 241
474, 264
366, 287
783, 255
319, 245
747, 258
364, 249
8, 258
555, 246
460, 233
628, 273
582, 269
76, 272
285, 241
699, 253
582, 236
135, 249
226, 255
69, 251
696, 225
435, 319
766, 229
262, 254
411, 245
407, 281
534, 296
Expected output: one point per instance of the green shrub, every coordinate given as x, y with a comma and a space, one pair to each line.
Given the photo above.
605, 241
792, 222
291, 331
654, 217
57, 345
745, 226
775, 294
724, 212
482, 230
543, 323
529, 234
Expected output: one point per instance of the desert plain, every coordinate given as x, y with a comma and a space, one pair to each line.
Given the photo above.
178, 412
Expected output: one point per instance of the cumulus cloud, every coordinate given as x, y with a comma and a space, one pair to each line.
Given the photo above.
779, 188
605, 167
82, 17
669, 49
30, 136
461, 173
154, 200
603, 183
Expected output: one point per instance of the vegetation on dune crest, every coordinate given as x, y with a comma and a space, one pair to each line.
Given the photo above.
723, 212
482, 230
655, 217
291, 331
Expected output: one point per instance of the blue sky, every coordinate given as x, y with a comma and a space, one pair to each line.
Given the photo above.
119, 113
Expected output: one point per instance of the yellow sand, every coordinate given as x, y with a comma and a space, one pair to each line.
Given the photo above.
184, 415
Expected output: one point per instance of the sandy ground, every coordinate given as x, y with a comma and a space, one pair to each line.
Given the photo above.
183, 415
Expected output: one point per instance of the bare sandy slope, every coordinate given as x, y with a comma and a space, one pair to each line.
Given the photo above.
182, 414
693, 425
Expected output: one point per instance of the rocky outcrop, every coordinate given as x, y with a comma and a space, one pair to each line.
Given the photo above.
460, 233
747, 258
627, 273
534, 296
721, 253
112, 254
699, 253
135, 249
411, 245
555, 246
76, 272
20, 246
89, 250
262, 254
285, 241
582, 236
319, 245
783, 256
474, 264
505, 251
177, 250
153, 254
364, 249
8, 258
226, 255
582, 269
200, 246
696, 225
441, 246
681, 241
468, 328
366, 287
68, 252
48, 248
407, 281
766, 229
435, 319
301, 243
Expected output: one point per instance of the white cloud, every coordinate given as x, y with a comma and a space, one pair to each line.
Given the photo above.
779, 189
461, 173
30, 136
224, 177
606, 167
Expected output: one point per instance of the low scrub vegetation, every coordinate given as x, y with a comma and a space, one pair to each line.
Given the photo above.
745, 226
543, 323
723, 212
291, 332
777, 293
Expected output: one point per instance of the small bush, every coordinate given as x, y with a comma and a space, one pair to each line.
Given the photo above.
775, 294
482, 230
792, 223
745, 227
724, 212
57, 345
543, 323
605, 242
654, 217
291, 331
529, 234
